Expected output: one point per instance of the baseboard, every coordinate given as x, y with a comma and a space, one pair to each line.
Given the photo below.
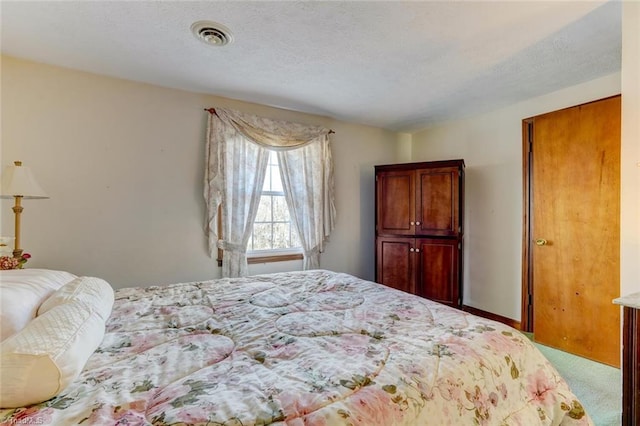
495, 317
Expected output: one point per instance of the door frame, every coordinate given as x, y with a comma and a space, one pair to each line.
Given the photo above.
526, 318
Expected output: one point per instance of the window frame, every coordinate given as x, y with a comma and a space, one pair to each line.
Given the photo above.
264, 256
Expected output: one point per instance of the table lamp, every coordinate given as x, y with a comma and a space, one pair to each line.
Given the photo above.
19, 183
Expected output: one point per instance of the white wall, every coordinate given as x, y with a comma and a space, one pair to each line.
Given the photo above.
491, 145
630, 158
123, 164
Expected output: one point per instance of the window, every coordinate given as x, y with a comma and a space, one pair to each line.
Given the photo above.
273, 232
239, 150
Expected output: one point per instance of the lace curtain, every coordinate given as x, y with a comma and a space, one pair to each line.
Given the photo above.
237, 151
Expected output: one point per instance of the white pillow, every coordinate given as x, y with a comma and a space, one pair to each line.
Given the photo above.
42, 359
22, 291
94, 292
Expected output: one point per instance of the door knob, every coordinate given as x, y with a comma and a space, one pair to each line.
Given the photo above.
541, 242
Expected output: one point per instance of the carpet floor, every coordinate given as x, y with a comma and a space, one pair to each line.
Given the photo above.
597, 386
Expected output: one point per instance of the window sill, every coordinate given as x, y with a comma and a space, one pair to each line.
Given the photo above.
274, 258
270, 258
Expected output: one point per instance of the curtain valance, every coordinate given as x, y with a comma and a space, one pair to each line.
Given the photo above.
273, 134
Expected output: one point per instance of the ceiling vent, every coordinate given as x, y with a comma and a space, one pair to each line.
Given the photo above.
212, 33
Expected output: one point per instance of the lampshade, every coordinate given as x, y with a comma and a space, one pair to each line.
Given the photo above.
17, 181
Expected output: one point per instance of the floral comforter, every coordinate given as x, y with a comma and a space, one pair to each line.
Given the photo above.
305, 348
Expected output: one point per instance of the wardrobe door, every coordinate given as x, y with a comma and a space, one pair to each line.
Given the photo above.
438, 270
395, 203
395, 264
438, 202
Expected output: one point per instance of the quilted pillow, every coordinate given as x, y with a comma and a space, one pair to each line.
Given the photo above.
94, 292
22, 291
42, 359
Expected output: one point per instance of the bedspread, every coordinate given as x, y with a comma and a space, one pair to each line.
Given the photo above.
305, 348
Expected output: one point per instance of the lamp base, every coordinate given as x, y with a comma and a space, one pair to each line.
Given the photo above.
17, 210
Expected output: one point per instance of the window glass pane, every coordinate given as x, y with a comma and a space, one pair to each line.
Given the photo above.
266, 186
280, 209
262, 236
276, 182
281, 235
264, 209
272, 171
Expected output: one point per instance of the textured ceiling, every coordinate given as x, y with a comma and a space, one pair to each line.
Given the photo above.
391, 64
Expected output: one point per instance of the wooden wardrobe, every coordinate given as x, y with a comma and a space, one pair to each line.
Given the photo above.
419, 228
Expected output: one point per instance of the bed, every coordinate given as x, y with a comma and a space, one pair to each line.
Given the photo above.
298, 348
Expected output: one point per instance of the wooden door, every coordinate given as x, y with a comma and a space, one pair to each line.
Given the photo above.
395, 265
575, 229
395, 202
438, 273
437, 201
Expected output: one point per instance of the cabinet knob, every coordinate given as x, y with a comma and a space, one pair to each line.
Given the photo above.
412, 249
541, 242
417, 250
417, 223
411, 223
